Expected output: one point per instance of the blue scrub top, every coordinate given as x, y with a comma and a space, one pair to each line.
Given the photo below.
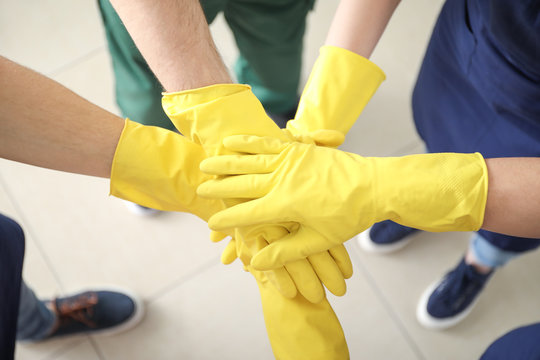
478, 89
479, 85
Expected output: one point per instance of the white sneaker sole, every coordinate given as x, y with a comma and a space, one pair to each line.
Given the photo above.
433, 323
140, 210
365, 242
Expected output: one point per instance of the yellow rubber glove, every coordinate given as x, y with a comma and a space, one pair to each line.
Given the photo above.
339, 194
340, 85
206, 115
158, 168
299, 329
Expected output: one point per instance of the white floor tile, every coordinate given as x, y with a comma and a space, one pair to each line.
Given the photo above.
93, 79
368, 324
47, 34
402, 277
91, 238
216, 314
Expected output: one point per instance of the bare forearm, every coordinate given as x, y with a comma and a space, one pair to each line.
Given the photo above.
45, 124
358, 24
175, 40
513, 204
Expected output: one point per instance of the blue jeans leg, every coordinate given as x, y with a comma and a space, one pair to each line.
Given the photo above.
35, 319
489, 255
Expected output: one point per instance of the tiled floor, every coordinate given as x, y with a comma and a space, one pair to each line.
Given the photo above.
196, 307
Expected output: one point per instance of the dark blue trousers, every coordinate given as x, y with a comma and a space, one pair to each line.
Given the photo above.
11, 261
476, 93
520, 344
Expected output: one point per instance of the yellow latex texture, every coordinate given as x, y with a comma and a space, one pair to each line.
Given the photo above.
294, 181
299, 329
207, 115
159, 169
340, 85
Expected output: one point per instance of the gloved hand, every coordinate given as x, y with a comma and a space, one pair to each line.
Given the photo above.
158, 168
340, 85
339, 194
299, 329
206, 115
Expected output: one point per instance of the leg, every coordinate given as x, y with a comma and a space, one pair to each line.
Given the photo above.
491, 250
35, 319
454, 112
11, 260
138, 92
269, 35
520, 344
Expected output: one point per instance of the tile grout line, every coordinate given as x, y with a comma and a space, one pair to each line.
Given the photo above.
96, 348
62, 350
30, 231
78, 60
175, 283
393, 315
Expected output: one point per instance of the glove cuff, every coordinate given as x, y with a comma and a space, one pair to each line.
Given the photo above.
159, 169
207, 115
432, 192
340, 85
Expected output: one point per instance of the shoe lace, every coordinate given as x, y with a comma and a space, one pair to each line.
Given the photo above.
80, 309
459, 286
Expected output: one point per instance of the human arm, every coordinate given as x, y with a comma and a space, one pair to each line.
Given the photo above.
358, 24
343, 80
513, 201
45, 124
175, 40
433, 192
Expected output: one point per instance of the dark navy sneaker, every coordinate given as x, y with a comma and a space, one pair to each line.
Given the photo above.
449, 300
95, 312
385, 236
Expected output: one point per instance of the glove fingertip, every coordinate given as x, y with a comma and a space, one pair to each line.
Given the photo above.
227, 259
206, 166
203, 190
315, 297
216, 236
347, 271
339, 292
218, 222
262, 263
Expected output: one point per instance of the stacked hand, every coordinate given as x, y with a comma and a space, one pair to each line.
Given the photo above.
207, 115
338, 194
